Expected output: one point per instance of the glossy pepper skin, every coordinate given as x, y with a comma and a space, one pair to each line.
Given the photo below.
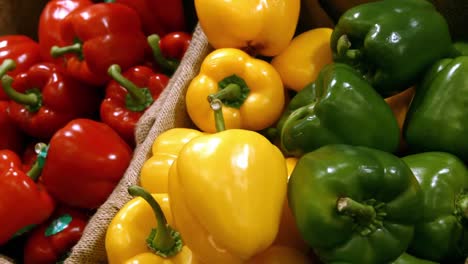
158, 16
259, 27
98, 36
23, 50
154, 175
250, 89
387, 41
43, 99
355, 204
11, 137
128, 96
300, 63
406, 258
44, 246
127, 234
214, 186
340, 107
85, 161
442, 234
169, 50
22, 202
437, 103
50, 20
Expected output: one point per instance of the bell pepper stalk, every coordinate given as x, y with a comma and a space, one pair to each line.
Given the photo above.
358, 197
460, 48
300, 63
248, 162
128, 96
169, 50
406, 258
20, 49
43, 99
85, 161
50, 20
23, 203
11, 136
441, 235
53, 239
340, 107
98, 36
158, 16
262, 27
438, 103
165, 149
387, 42
250, 89
141, 232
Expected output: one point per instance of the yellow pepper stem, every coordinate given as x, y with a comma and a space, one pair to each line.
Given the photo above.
233, 91
217, 107
163, 240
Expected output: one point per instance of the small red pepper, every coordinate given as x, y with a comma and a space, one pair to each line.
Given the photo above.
11, 137
169, 50
43, 100
128, 96
98, 36
85, 161
23, 50
49, 24
51, 241
23, 203
159, 16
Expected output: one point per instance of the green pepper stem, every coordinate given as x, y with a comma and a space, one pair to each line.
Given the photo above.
169, 65
138, 98
462, 206
7, 66
164, 243
217, 107
57, 51
30, 99
361, 212
343, 46
230, 92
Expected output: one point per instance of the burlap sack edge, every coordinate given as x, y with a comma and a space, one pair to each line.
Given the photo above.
5, 260
167, 112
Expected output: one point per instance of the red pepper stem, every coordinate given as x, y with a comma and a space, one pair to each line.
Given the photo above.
30, 99
167, 64
135, 92
7, 66
57, 51
163, 241
217, 107
35, 171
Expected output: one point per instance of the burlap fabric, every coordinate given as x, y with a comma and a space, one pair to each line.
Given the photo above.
165, 113
5, 260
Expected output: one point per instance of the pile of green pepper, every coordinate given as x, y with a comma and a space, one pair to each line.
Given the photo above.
355, 196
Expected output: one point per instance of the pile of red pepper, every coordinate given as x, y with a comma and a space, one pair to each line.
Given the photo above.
69, 104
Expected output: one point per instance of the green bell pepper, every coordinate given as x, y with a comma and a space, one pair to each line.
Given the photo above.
340, 107
354, 204
442, 234
437, 118
460, 48
391, 42
408, 259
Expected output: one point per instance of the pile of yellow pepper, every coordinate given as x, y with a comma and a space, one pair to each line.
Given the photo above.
218, 194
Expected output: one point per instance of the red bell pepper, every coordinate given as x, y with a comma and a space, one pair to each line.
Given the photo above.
169, 50
128, 96
11, 137
43, 100
159, 16
85, 161
51, 241
23, 203
98, 36
49, 24
21, 49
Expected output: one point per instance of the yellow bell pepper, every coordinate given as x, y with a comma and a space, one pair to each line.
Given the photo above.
131, 233
300, 63
227, 192
250, 89
281, 255
165, 149
263, 27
